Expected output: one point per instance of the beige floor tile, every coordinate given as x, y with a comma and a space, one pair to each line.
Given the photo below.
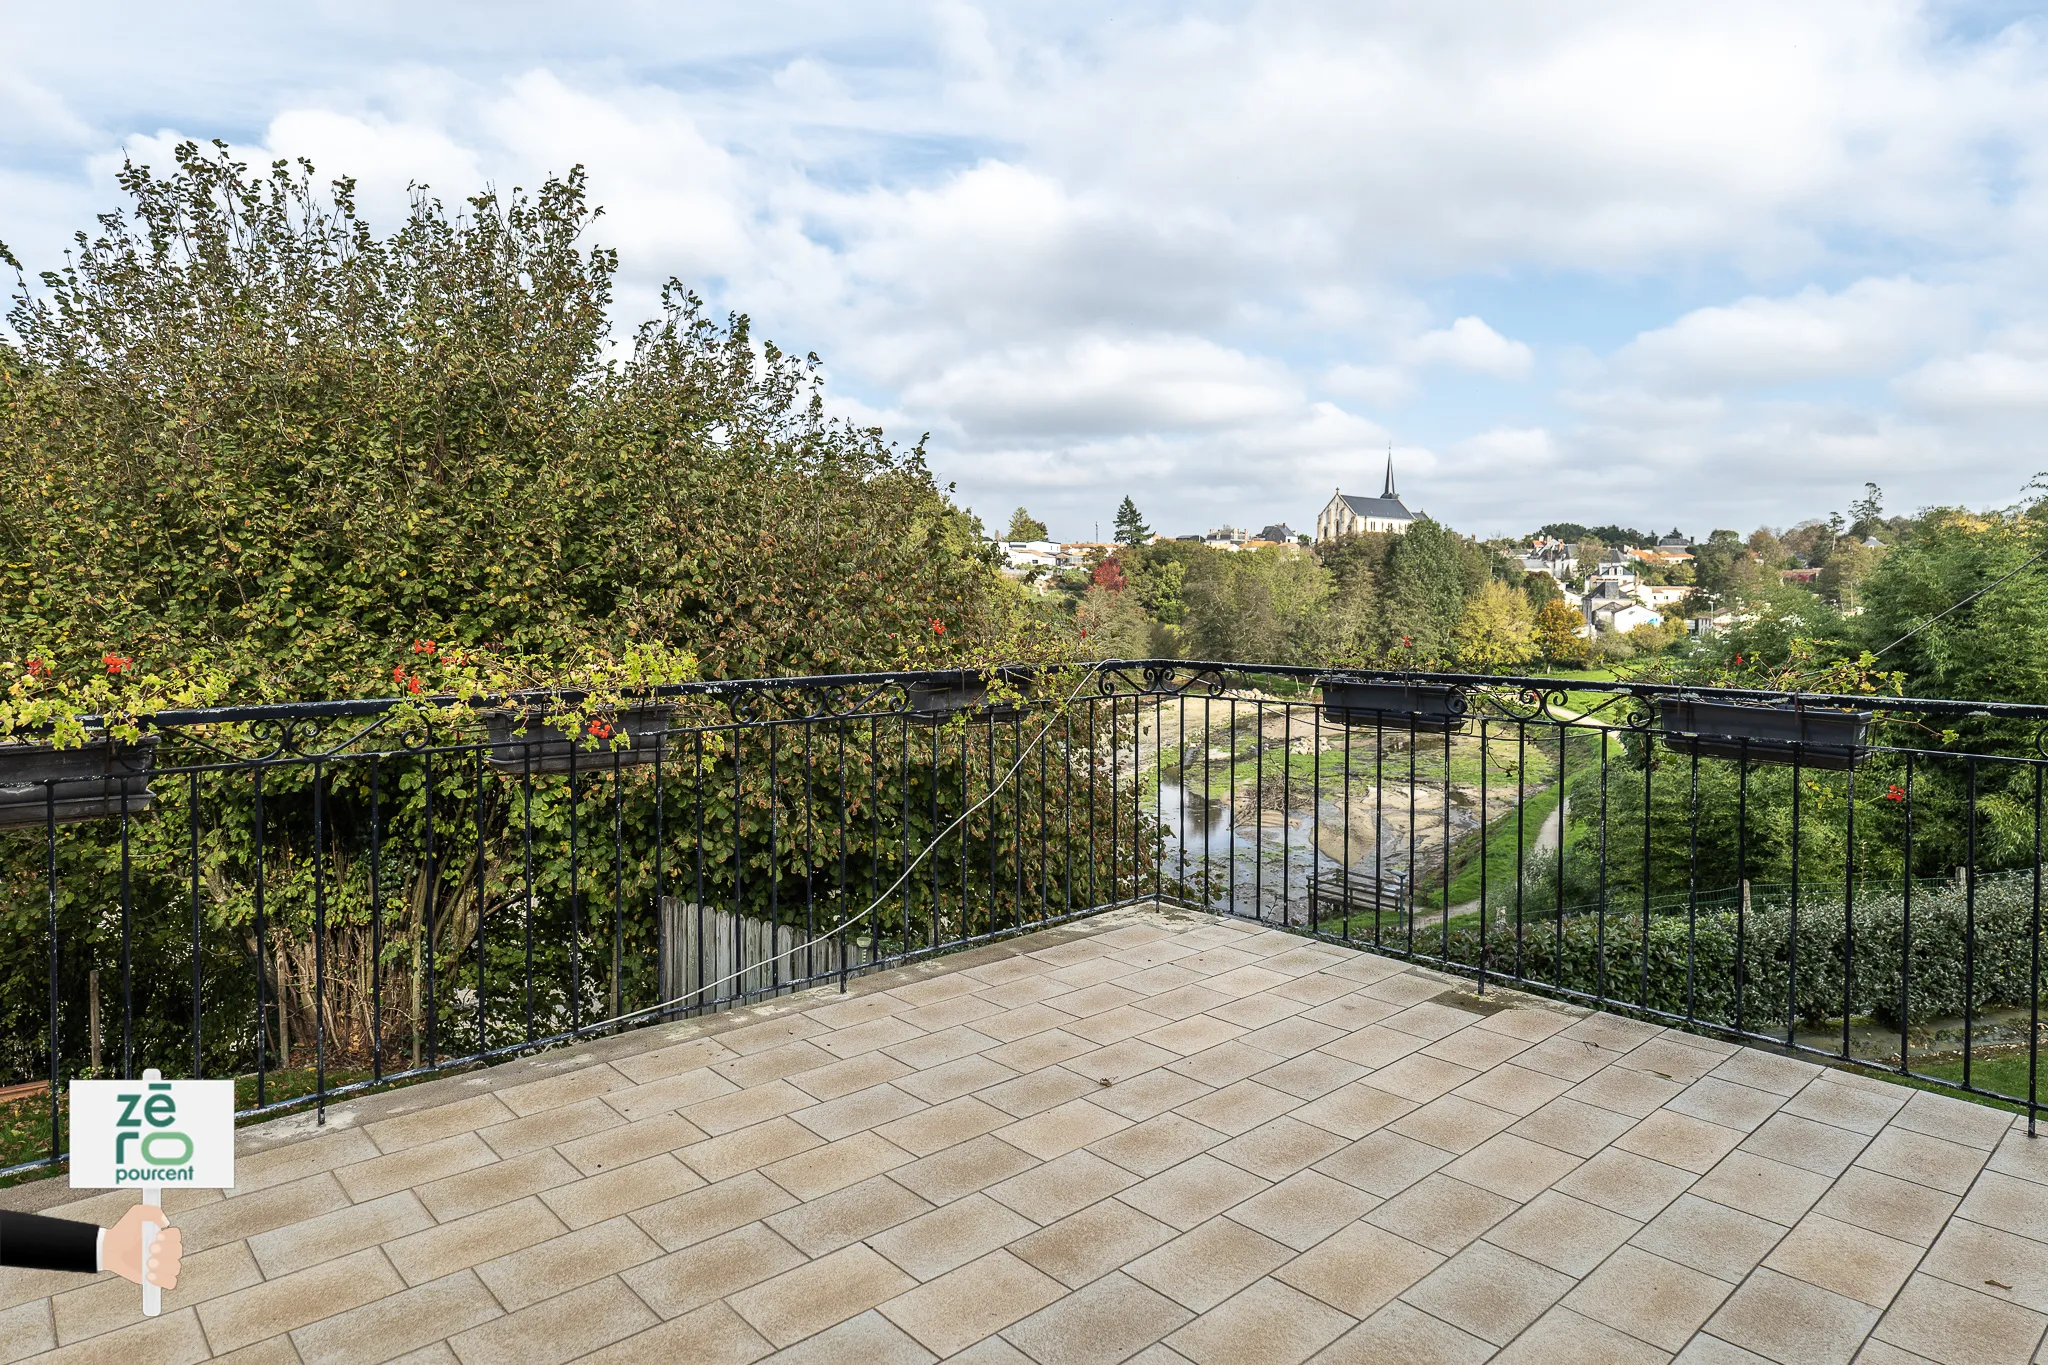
688, 1218
673, 1060
954, 1079
464, 1242
1352, 1111
1480, 1049
437, 1121
1673, 1057
173, 1339
1760, 1186
1562, 1337
1085, 1246
815, 1296
621, 1189
1037, 1091
628, 1143
558, 1329
541, 1271
849, 1215
949, 1237
327, 1151
1931, 1161
1944, 1116
1375, 1046
1109, 1320
1239, 1107
1660, 1301
1206, 1265
1488, 1292
499, 1183
1045, 1194
1626, 1090
1726, 1103
945, 1124
860, 1038
834, 1166
1292, 1037
1419, 1078
1789, 1320
1441, 1213
849, 1010
1182, 1002
1311, 1075
713, 1335
686, 1280
1062, 1128
1428, 1019
935, 1049
551, 1127
1359, 1269
263, 1310
779, 1031
1573, 1126
1818, 1147
1569, 1059
1304, 1209
1384, 1163
410, 1166
1267, 1321
1453, 1123
1633, 1186
1193, 1191
951, 1012
1767, 1071
747, 1149
1680, 1140
963, 1169
975, 1300
868, 1338
2021, 1157
858, 1112
279, 1350
1156, 1144
1222, 1064
26, 1329
1121, 1060
1711, 1237
1117, 1025
1154, 1093
763, 1068
840, 1079
1563, 1233
1400, 1335
745, 1108
248, 1215
1960, 1326
1996, 1200
1914, 1213
1991, 1261
1277, 1149
1021, 1022
1097, 999
1513, 1089
1848, 1260
1858, 1110
1533, 1022
403, 1322
103, 1303
1352, 1011
1877, 1352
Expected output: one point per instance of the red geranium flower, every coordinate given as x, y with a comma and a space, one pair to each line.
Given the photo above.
938, 627
116, 664
414, 684
1895, 793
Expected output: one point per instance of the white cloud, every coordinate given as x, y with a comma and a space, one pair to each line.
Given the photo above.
1864, 330
1469, 344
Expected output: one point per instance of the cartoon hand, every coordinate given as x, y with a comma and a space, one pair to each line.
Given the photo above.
121, 1251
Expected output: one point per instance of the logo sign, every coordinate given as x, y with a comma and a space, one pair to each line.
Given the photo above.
152, 1132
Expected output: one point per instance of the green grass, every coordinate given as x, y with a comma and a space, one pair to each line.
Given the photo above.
2005, 1072
1499, 860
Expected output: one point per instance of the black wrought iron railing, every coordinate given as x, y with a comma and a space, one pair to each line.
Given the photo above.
321, 898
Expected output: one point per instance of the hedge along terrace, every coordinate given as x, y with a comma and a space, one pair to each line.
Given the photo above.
255, 449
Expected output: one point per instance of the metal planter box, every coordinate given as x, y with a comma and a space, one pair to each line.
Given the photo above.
931, 701
88, 783
1817, 737
1431, 708
546, 747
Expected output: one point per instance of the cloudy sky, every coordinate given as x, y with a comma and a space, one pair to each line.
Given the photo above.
1704, 265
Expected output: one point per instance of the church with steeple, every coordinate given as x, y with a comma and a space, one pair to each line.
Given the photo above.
1347, 515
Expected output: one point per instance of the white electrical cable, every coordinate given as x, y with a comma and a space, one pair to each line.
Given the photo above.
884, 898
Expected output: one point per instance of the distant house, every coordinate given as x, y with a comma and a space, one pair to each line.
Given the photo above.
1346, 515
1662, 594
1554, 557
1280, 533
1798, 575
1608, 606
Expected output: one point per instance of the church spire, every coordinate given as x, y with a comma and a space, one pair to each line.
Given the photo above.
1390, 472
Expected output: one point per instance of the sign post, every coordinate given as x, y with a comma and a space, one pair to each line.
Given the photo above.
148, 1134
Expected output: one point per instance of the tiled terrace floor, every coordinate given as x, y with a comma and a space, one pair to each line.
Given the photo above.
1154, 1136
